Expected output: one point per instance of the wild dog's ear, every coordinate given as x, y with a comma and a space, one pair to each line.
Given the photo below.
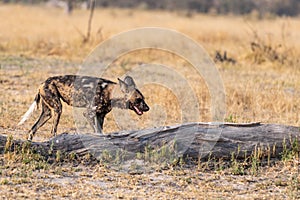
127, 85
129, 81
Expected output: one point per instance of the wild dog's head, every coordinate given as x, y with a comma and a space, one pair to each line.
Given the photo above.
133, 97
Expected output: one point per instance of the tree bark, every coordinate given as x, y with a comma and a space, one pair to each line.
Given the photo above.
193, 140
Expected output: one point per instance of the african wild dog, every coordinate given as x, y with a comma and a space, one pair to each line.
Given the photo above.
92, 93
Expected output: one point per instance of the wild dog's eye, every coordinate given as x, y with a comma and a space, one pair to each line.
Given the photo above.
138, 100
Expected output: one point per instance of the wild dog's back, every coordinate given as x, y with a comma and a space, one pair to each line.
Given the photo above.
78, 91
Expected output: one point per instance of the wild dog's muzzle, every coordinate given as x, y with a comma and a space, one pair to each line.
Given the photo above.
139, 106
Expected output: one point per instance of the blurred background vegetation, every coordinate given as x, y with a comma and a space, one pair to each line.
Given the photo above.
238, 7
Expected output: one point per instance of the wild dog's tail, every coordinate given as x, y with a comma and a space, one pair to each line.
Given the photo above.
31, 109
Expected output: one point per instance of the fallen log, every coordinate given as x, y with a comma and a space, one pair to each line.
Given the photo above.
192, 140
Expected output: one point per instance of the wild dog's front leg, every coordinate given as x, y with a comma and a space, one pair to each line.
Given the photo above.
99, 123
90, 116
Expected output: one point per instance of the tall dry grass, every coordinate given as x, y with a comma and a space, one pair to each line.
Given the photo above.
49, 31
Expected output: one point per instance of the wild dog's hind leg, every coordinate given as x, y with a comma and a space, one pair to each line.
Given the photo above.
44, 117
56, 108
56, 117
51, 98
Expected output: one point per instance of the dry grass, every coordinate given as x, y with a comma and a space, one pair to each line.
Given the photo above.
71, 182
36, 43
